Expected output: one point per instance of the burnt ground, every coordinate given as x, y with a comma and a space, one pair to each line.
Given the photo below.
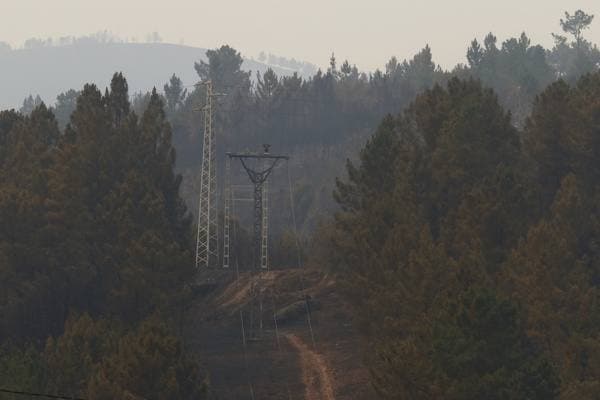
283, 363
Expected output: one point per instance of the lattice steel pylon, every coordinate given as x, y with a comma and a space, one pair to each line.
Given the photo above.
228, 193
264, 227
258, 177
207, 238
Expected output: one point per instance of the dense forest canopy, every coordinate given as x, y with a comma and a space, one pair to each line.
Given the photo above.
95, 247
463, 236
472, 262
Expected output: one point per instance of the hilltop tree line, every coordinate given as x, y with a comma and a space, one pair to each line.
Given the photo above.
333, 106
342, 101
321, 120
95, 252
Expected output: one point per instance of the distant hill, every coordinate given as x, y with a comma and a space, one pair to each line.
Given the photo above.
51, 70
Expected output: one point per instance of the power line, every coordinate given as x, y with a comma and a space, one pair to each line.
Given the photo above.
33, 394
246, 369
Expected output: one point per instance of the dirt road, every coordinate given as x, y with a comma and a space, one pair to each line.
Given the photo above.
316, 375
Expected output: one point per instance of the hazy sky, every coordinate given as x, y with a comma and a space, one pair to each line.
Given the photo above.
365, 32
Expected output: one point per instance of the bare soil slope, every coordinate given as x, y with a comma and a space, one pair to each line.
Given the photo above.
253, 335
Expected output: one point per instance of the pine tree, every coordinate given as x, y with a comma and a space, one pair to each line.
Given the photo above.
575, 24
267, 86
149, 363
549, 276
483, 352
224, 70
175, 94
430, 213
64, 107
72, 358
545, 140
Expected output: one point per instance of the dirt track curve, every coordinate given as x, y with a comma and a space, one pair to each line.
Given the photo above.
316, 375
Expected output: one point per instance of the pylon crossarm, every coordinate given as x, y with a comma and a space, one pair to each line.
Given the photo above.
258, 177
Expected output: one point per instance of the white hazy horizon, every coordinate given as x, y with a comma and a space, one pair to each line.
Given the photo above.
367, 33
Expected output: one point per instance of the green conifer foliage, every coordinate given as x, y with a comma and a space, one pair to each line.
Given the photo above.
427, 219
91, 218
92, 223
148, 363
484, 353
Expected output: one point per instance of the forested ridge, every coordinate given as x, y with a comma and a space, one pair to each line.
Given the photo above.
464, 234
